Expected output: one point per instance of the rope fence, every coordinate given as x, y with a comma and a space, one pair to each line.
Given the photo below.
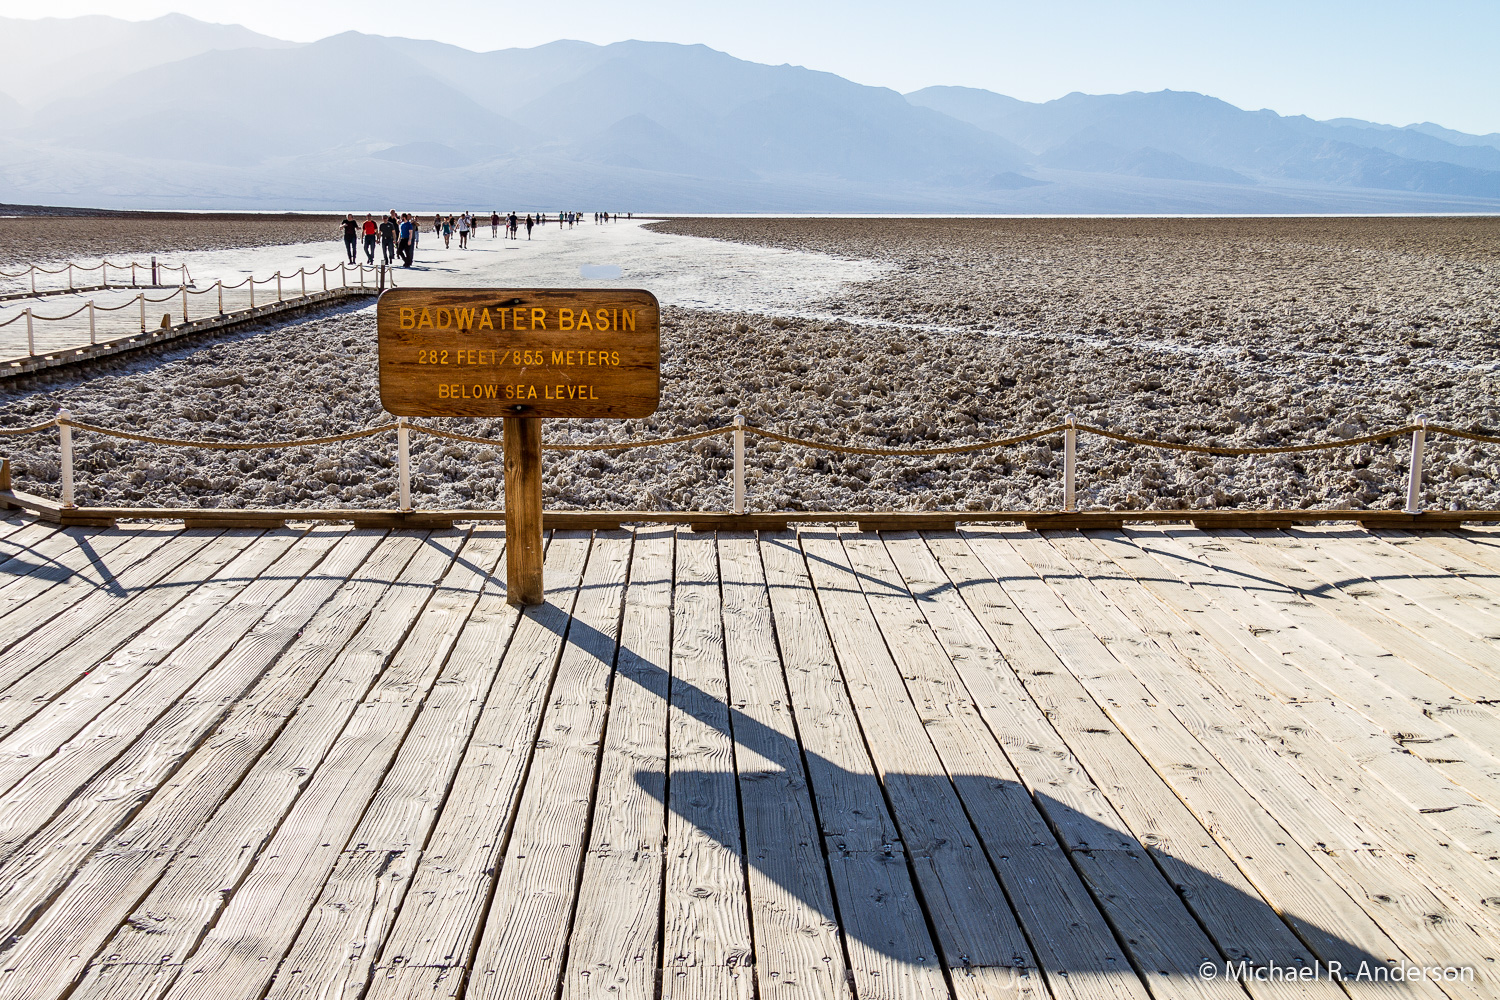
156, 270
364, 276
1070, 430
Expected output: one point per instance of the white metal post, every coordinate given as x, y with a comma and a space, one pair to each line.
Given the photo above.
33, 279
361, 276
140, 298
739, 463
92, 338
252, 291
324, 269
30, 337
70, 276
184, 305
1414, 481
403, 461
65, 438
104, 274
343, 276
302, 273
278, 285
1070, 464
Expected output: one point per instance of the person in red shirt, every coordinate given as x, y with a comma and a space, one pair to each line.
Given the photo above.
372, 232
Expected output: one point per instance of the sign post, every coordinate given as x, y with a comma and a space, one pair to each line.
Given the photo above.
520, 354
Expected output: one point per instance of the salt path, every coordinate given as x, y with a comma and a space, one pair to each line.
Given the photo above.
681, 270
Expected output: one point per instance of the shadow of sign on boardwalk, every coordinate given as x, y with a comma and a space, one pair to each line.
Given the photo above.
964, 871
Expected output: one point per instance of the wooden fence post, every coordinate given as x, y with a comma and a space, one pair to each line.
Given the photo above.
523, 510
65, 440
92, 338
30, 336
403, 461
739, 463
1070, 464
1414, 477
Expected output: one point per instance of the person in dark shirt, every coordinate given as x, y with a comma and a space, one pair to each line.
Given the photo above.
351, 237
388, 227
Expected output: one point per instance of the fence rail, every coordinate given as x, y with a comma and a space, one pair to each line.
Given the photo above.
364, 276
155, 270
739, 429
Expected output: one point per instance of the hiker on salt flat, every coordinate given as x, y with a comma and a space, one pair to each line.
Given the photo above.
351, 237
371, 231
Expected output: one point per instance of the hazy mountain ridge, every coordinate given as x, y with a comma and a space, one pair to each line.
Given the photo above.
1217, 136
175, 112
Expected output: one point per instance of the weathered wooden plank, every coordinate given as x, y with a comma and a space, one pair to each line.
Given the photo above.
169, 874
1460, 554
1473, 609
614, 947
487, 703
1223, 770
1408, 703
65, 568
930, 634
973, 921
797, 948
73, 643
891, 953
241, 942
1149, 811
1401, 850
61, 719
706, 950
1330, 743
67, 808
1226, 858
539, 833
1400, 892
1468, 665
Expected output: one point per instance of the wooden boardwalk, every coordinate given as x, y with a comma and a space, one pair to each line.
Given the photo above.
327, 763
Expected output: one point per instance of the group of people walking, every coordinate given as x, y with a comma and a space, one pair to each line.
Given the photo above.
397, 235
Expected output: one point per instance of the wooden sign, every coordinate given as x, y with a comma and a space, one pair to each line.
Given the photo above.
521, 354
535, 352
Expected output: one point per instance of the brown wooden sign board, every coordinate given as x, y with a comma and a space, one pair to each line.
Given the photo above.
522, 354
533, 352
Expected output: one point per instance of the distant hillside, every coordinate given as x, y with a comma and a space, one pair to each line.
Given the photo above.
1187, 136
176, 113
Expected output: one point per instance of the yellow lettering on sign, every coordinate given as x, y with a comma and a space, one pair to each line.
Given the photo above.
584, 323
627, 320
558, 356
539, 319
425, 319
565, 319
603, 315
465, 318
408, 318
484, 320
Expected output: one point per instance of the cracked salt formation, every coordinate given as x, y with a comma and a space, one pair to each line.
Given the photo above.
898, 333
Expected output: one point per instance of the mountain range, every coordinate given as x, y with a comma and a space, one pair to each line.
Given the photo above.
178, 113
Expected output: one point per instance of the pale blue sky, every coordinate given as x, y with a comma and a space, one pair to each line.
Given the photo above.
1394, 62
